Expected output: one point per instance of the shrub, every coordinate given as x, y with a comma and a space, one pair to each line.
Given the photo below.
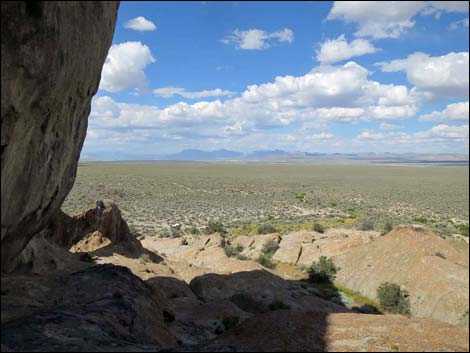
175, 232
270, 247
266, 229
463, 229
420, 220
231, 250
192, 230
367, 225
441, 255
278, 305
265, 261
215, 227
387, 228
393, 299
242, 257
317, 227
323, 270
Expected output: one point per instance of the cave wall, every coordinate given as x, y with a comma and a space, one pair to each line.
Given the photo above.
52, 56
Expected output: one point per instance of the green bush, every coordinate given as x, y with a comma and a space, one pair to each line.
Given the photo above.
231, 250
393, 299
266, 229
367, 224
388, 227
265, 261
215, 227
441, 255
192, 230
463, 229
270, 247
323, 270
317, 227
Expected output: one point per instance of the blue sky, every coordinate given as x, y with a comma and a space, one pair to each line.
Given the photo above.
300, 76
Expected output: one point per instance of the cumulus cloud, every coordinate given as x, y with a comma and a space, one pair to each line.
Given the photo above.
334, 50
168, 92
257, 39
327, 94
124, 66
390, 127
440, 134
389, 19
140, 24
441, 76
458, 24
453, 112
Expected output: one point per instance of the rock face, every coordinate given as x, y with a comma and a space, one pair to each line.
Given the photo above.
433, 272
298, 331
101, 308
52, 55
99, 231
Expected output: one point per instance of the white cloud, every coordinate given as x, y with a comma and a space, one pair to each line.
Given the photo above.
389, 19
458, 24
140, 24
453, 112
440, 134
168, 92
441, 76
339, 49
257, 39
327, 94
444, 132
321, 137
124, 66
370, 135
390, 127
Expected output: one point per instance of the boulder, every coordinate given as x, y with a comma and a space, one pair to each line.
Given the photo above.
52, 55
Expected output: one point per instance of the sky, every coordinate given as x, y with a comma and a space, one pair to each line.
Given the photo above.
331, 77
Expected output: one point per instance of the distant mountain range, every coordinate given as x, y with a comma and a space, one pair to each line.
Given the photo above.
285, 156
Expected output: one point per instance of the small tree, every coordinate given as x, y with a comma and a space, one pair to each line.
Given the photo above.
387, 228
317, 227
265, 261
215, 227
233, 250
270, 247
323, 270
393, 299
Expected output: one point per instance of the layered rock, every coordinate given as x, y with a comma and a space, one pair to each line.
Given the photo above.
99, 231
427, 266
52, 55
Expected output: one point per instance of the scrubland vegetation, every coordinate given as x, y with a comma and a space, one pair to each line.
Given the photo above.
248, 199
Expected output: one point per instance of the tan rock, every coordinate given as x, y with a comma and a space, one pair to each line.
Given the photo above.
52, 56
407, 256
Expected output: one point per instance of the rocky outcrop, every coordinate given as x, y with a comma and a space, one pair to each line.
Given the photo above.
99, 231
427, 266
52, 55
101, 308
309, 331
